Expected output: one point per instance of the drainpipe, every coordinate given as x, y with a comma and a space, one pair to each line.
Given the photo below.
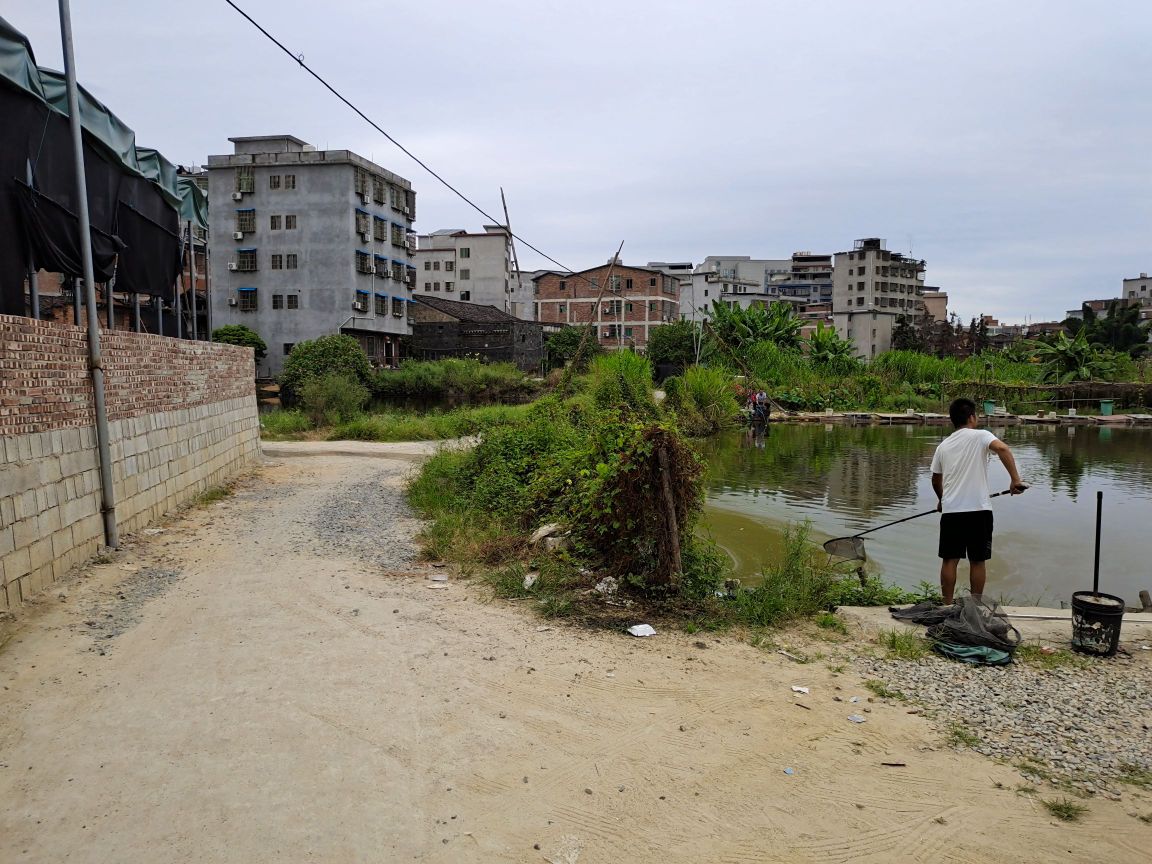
107, 494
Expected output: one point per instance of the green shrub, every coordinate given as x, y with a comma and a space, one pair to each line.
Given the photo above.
712, 397
563, 345
281, 424
800, 584
467, 377
238, 334
332, 398
328, 355
623, 379
673, 343
399, 426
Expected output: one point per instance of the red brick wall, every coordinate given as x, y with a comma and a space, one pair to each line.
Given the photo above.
580, 299
44, 382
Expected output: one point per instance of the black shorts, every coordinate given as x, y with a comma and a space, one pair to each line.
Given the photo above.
966, 535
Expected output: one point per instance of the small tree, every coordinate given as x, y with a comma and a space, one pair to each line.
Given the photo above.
238, 334
905, 337
328, 355
673, 343
562, 346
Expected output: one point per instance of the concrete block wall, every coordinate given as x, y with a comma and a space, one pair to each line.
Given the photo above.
182, 418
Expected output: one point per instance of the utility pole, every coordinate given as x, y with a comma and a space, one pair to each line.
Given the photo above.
192, 276
95, 361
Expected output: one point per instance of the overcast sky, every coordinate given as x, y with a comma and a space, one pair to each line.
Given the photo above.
1007, 143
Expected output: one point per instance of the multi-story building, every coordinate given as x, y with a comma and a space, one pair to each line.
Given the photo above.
320, 242
635, 300
935, 303
738, 280
1138, 289
809, 280
871, 288
473, 268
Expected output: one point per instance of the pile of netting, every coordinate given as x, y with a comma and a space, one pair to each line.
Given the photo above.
973, 629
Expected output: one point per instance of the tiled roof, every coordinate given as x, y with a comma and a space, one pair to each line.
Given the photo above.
472, 313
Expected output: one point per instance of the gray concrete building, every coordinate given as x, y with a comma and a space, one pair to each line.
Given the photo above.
309, 242
871, 288
737, 280
473, 268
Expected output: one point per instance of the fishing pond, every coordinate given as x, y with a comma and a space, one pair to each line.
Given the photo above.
845, 479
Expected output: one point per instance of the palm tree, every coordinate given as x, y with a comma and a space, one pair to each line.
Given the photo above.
1066, 360
827, 348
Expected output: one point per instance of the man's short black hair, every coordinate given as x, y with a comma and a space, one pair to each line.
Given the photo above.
960, 411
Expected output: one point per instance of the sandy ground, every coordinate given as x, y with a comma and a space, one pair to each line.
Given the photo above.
269, 680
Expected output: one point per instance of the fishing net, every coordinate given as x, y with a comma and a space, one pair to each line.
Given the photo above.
970, 621
846, 548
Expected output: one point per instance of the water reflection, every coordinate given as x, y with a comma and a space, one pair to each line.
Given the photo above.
848, 478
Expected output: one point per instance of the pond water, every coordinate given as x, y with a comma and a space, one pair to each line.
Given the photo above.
846, 479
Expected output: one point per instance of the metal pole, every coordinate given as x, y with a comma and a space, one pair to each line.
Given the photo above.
158, 304
95, 362
1096, 565
176, 309
207, 288
76, 302
135, 312
192, 277
33, 288
111, 286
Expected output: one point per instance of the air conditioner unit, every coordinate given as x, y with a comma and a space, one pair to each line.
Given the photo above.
359, 307
237, 196
364, 196
407, 211
231, 301
233, 266
365, 236
237, 235
371, 270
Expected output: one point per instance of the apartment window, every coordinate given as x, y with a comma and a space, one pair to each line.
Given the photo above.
427, 286
627, 332
293, 301
449, 286
288, 346
273, 181
360, 182
861, 270
398, 271
289, 181
465, 274
246, 300
363, 222
465, 252
381, 304
859, 301
379, 229
382, 271
379, 190
465, 296
245, 179
397, 235
627, 284
613, 307
291, 261
277, 264
246, 260
277, 301
627, 307
449, 266
859, 286
290, 222
563, 307
427, 265
361, 304
435, 265
274, 223
652, 305
363, 262
398, 198
246, 221
615, 284
435, 286
563, 285
398, 307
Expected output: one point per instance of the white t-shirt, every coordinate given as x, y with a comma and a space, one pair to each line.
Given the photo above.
962, 458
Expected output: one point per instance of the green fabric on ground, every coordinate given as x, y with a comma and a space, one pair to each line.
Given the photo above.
975, 654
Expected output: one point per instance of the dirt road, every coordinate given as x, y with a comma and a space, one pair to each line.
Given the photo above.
259, 683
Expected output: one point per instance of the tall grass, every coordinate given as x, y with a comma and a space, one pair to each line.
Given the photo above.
284, 424
450, 377
800, 584
706, 400
426, 427
622, 379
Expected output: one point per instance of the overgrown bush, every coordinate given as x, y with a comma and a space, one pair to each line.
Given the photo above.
466, 377
238, 334
327, 355
332, 398
709, 402
623, 379
280, 424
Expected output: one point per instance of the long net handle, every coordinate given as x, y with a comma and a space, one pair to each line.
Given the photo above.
918, 516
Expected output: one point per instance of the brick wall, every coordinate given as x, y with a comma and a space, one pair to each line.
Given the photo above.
182, 418
653, 296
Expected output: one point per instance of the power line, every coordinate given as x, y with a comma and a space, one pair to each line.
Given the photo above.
299, 58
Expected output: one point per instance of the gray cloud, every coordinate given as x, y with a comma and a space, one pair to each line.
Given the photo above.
1006, 143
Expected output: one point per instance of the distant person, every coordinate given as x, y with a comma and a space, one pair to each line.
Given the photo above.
960, 480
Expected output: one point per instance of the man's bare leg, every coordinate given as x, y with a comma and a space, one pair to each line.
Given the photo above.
948, 578
979, 572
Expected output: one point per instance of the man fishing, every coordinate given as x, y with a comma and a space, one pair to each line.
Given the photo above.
960, 480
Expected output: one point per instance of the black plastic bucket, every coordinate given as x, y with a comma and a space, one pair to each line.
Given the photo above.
1096, 620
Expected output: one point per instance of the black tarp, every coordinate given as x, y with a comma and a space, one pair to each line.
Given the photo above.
150, 231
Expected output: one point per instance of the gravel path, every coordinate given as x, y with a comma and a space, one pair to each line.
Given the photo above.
1089, 726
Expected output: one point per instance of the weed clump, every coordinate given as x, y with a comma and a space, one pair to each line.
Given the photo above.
1064, 809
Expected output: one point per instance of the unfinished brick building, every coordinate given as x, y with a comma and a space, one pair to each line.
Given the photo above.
636, 300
